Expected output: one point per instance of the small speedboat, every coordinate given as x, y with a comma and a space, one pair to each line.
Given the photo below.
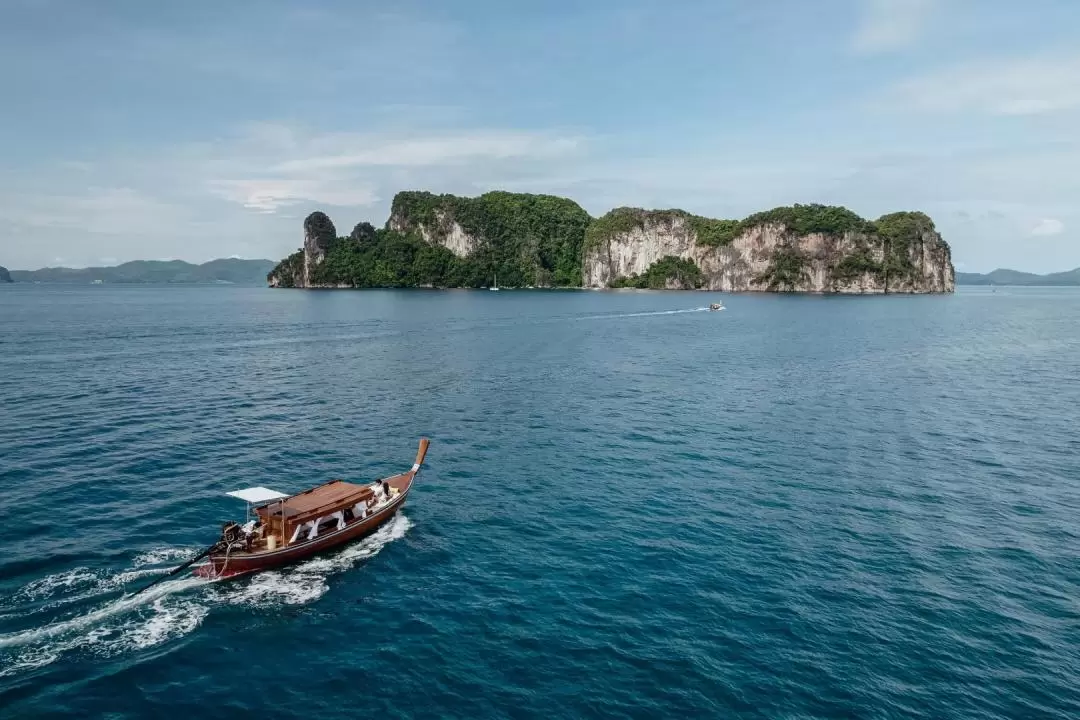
716, 306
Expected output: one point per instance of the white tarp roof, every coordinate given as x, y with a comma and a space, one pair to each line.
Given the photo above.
257, 494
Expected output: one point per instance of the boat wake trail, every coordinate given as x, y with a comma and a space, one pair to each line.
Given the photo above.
644, 314
90, 613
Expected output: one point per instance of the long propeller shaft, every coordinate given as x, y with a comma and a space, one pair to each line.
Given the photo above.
175, 570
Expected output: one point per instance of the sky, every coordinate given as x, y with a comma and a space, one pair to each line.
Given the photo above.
204, 129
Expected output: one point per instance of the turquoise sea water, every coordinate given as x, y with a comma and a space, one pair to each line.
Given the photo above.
799, 507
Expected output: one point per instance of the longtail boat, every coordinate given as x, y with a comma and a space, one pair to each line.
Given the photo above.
282, 529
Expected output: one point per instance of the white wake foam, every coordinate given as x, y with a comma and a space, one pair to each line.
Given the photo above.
46, 587
168, 620
644, 314
101, 632
81, 583
160, 555
167, 611
94, 617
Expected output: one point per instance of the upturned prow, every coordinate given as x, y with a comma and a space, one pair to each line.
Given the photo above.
420, 453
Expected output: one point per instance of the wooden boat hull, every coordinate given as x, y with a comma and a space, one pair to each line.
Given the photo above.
222, 565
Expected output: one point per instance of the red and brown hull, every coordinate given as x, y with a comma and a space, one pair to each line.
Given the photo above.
220, 566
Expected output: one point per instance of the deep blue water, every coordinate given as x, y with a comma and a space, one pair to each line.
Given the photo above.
799, 507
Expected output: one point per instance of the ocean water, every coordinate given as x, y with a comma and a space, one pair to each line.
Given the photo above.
800, 507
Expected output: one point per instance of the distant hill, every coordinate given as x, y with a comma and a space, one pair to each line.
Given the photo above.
1015, 277
230, 270
5, 276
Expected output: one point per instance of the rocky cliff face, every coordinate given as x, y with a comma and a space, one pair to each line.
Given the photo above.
319, 235
298, 269
907, 256
443, 230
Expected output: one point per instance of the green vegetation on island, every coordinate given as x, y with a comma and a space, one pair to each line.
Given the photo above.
714, 233
286, 272
707, 231
320, 229
710, 232
527, 240
524, 240
896, 234
391, 259
669, 272
809, 219
786, 272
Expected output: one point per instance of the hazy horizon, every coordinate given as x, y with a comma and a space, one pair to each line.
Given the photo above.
212, 129
275, 260
124, 262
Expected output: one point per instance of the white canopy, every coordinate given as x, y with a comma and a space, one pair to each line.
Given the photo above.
257, 494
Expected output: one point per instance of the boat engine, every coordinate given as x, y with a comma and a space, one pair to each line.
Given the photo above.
231, 533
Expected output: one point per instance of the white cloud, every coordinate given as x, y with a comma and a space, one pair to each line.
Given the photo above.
270, 167
889, 25
269, 195
357, 151
79, 166
100, 210
1047, 227
1028, 86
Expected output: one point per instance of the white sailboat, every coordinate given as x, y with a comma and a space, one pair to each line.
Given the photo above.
496, 285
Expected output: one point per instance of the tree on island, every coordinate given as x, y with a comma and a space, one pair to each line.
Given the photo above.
363, 233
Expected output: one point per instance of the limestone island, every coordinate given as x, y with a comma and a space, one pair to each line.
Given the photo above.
545, 241
5, 276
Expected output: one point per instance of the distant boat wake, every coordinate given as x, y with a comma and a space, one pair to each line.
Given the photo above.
115, 625
644, 314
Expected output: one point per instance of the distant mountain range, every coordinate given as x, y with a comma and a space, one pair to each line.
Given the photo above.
254, 272
230, 270
1015, 277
